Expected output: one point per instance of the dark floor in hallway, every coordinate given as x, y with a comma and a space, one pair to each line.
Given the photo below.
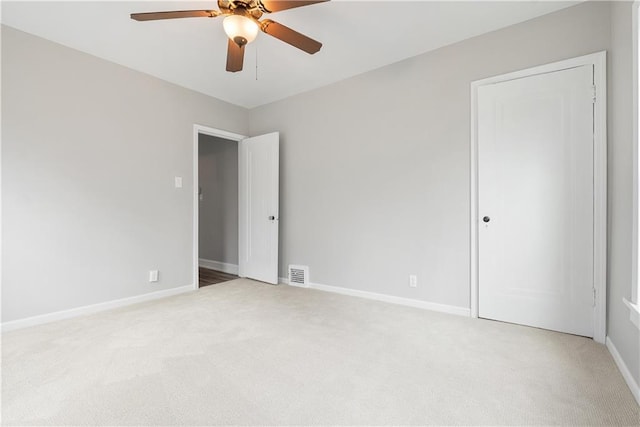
211, 277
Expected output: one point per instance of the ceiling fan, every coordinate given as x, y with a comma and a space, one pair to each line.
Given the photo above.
241, 23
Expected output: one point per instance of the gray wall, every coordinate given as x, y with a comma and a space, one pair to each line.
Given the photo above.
218, 215
89, 154
621, 331
375, 169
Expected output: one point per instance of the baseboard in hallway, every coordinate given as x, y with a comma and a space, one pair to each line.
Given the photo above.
224, 267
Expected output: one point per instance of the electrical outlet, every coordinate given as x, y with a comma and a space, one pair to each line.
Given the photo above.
153, 275
413, 281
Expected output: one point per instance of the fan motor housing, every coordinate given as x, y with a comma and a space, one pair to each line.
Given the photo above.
250, 8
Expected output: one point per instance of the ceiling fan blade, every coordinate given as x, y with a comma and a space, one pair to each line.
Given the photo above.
290, 36
278, 5
235, 56
152, 16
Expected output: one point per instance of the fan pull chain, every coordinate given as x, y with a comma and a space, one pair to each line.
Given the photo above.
256, 63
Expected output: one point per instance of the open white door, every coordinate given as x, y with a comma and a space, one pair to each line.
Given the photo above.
258, 199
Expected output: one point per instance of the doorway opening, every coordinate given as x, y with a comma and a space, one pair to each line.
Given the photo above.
258, 203
215, 249
218, 210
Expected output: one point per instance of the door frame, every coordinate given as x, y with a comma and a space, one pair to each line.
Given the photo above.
599, 62
197, 131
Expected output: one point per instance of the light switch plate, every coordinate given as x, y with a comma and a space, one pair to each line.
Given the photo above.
178, 181
413, 281
153, 275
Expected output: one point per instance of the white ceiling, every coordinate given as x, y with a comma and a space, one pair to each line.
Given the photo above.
358, 36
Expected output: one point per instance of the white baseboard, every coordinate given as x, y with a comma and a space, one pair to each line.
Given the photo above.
635, 390
219, 266
93, 308
443, 308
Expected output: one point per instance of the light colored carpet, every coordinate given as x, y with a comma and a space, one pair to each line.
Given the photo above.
248, 353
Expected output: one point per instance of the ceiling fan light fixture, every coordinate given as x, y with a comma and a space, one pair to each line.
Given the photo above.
240, 29
242, 23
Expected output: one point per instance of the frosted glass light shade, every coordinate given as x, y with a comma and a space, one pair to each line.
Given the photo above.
240, 29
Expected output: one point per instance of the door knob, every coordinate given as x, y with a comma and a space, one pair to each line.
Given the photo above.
486, 219
272, 218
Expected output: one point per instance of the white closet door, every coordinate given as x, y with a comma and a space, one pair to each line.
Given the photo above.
536, 201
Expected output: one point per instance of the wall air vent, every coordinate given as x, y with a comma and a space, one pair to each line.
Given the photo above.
298, 275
